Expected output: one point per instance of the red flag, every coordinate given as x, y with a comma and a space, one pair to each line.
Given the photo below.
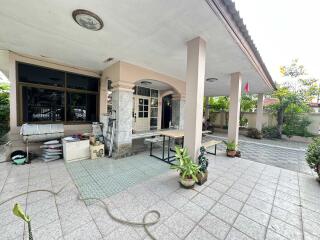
247, 88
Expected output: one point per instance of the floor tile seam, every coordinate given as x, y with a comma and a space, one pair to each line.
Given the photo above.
26, 204
244, 203
94, 220
272, 206
6, 179
55, 202
209, 210
300, 207
308, 174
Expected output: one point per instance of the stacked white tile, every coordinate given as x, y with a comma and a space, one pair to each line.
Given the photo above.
51, 150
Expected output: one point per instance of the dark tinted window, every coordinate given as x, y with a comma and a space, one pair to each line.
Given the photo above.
81, 107
76, 81
143, 91
41, 105
39, 75
154, 93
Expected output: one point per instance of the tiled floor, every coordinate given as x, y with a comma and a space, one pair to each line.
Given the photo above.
106, 177
241, 200
283, 154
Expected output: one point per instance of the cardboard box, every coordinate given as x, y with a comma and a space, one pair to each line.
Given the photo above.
97, 151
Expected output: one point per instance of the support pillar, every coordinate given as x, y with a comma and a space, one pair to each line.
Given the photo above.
178, 103
122, 102
103, 96
206, 110
259, 116
234, 109
196, 56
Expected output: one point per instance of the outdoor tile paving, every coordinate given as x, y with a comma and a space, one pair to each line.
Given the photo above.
242, 199
283, 154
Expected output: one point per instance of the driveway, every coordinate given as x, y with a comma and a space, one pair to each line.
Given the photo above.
279, 153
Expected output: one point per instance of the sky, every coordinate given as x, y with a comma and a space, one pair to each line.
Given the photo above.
3, 78
283, 30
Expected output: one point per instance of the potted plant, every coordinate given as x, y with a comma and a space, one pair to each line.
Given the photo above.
231, 148
187, 169
202, 176
313, 156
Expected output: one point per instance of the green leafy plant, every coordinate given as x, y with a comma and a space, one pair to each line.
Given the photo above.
4, 108
254, 133
231, 145
313, 155
270, 132
186, 167
296, 125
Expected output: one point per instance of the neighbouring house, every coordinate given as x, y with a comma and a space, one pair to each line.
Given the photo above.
150, 61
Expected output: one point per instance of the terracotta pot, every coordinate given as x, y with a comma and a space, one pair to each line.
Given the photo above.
187, 183
202, 178
231, 153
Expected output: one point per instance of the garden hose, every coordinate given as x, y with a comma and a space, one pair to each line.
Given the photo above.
144, 223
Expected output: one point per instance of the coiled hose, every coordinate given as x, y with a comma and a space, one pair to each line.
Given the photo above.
144, 222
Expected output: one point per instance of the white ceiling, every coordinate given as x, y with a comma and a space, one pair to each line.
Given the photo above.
154, 84
148, 33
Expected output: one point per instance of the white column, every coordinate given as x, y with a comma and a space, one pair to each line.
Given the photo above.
122, 102
178, 104
206, 112
196, 57
234, 109
103, 96
259, 116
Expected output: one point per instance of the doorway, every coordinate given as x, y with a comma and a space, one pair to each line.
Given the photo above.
141, 114
166, 112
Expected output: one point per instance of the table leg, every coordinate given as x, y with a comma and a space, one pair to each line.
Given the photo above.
169, 149
163, 145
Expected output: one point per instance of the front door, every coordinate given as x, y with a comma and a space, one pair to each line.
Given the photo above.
141, 113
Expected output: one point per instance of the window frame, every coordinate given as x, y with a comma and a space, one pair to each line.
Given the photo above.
65, 89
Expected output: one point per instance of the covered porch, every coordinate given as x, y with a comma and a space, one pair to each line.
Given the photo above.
186, 59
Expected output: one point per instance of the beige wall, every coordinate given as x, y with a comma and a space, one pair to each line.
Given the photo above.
315, 123
130, 74
269, 120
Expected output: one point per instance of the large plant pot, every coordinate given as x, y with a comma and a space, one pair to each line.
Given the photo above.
231, 153
202, 178
187, 183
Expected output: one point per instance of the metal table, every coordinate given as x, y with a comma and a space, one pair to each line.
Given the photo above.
170, 134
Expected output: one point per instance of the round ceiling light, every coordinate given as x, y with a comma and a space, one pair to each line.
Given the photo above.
146, 83
87, 19
211, 80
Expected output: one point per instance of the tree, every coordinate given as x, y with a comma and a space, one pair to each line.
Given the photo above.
248, 103
293, 96
4, 108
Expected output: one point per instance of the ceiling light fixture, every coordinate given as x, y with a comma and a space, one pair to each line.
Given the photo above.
211, 80
87, 19
145, 83
110, 59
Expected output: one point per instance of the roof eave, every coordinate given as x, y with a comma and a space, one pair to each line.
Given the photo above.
225, 9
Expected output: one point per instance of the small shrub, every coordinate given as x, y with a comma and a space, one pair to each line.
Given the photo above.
297, 126
313, 155
231, 145
270, 132
243, 121
254, 133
